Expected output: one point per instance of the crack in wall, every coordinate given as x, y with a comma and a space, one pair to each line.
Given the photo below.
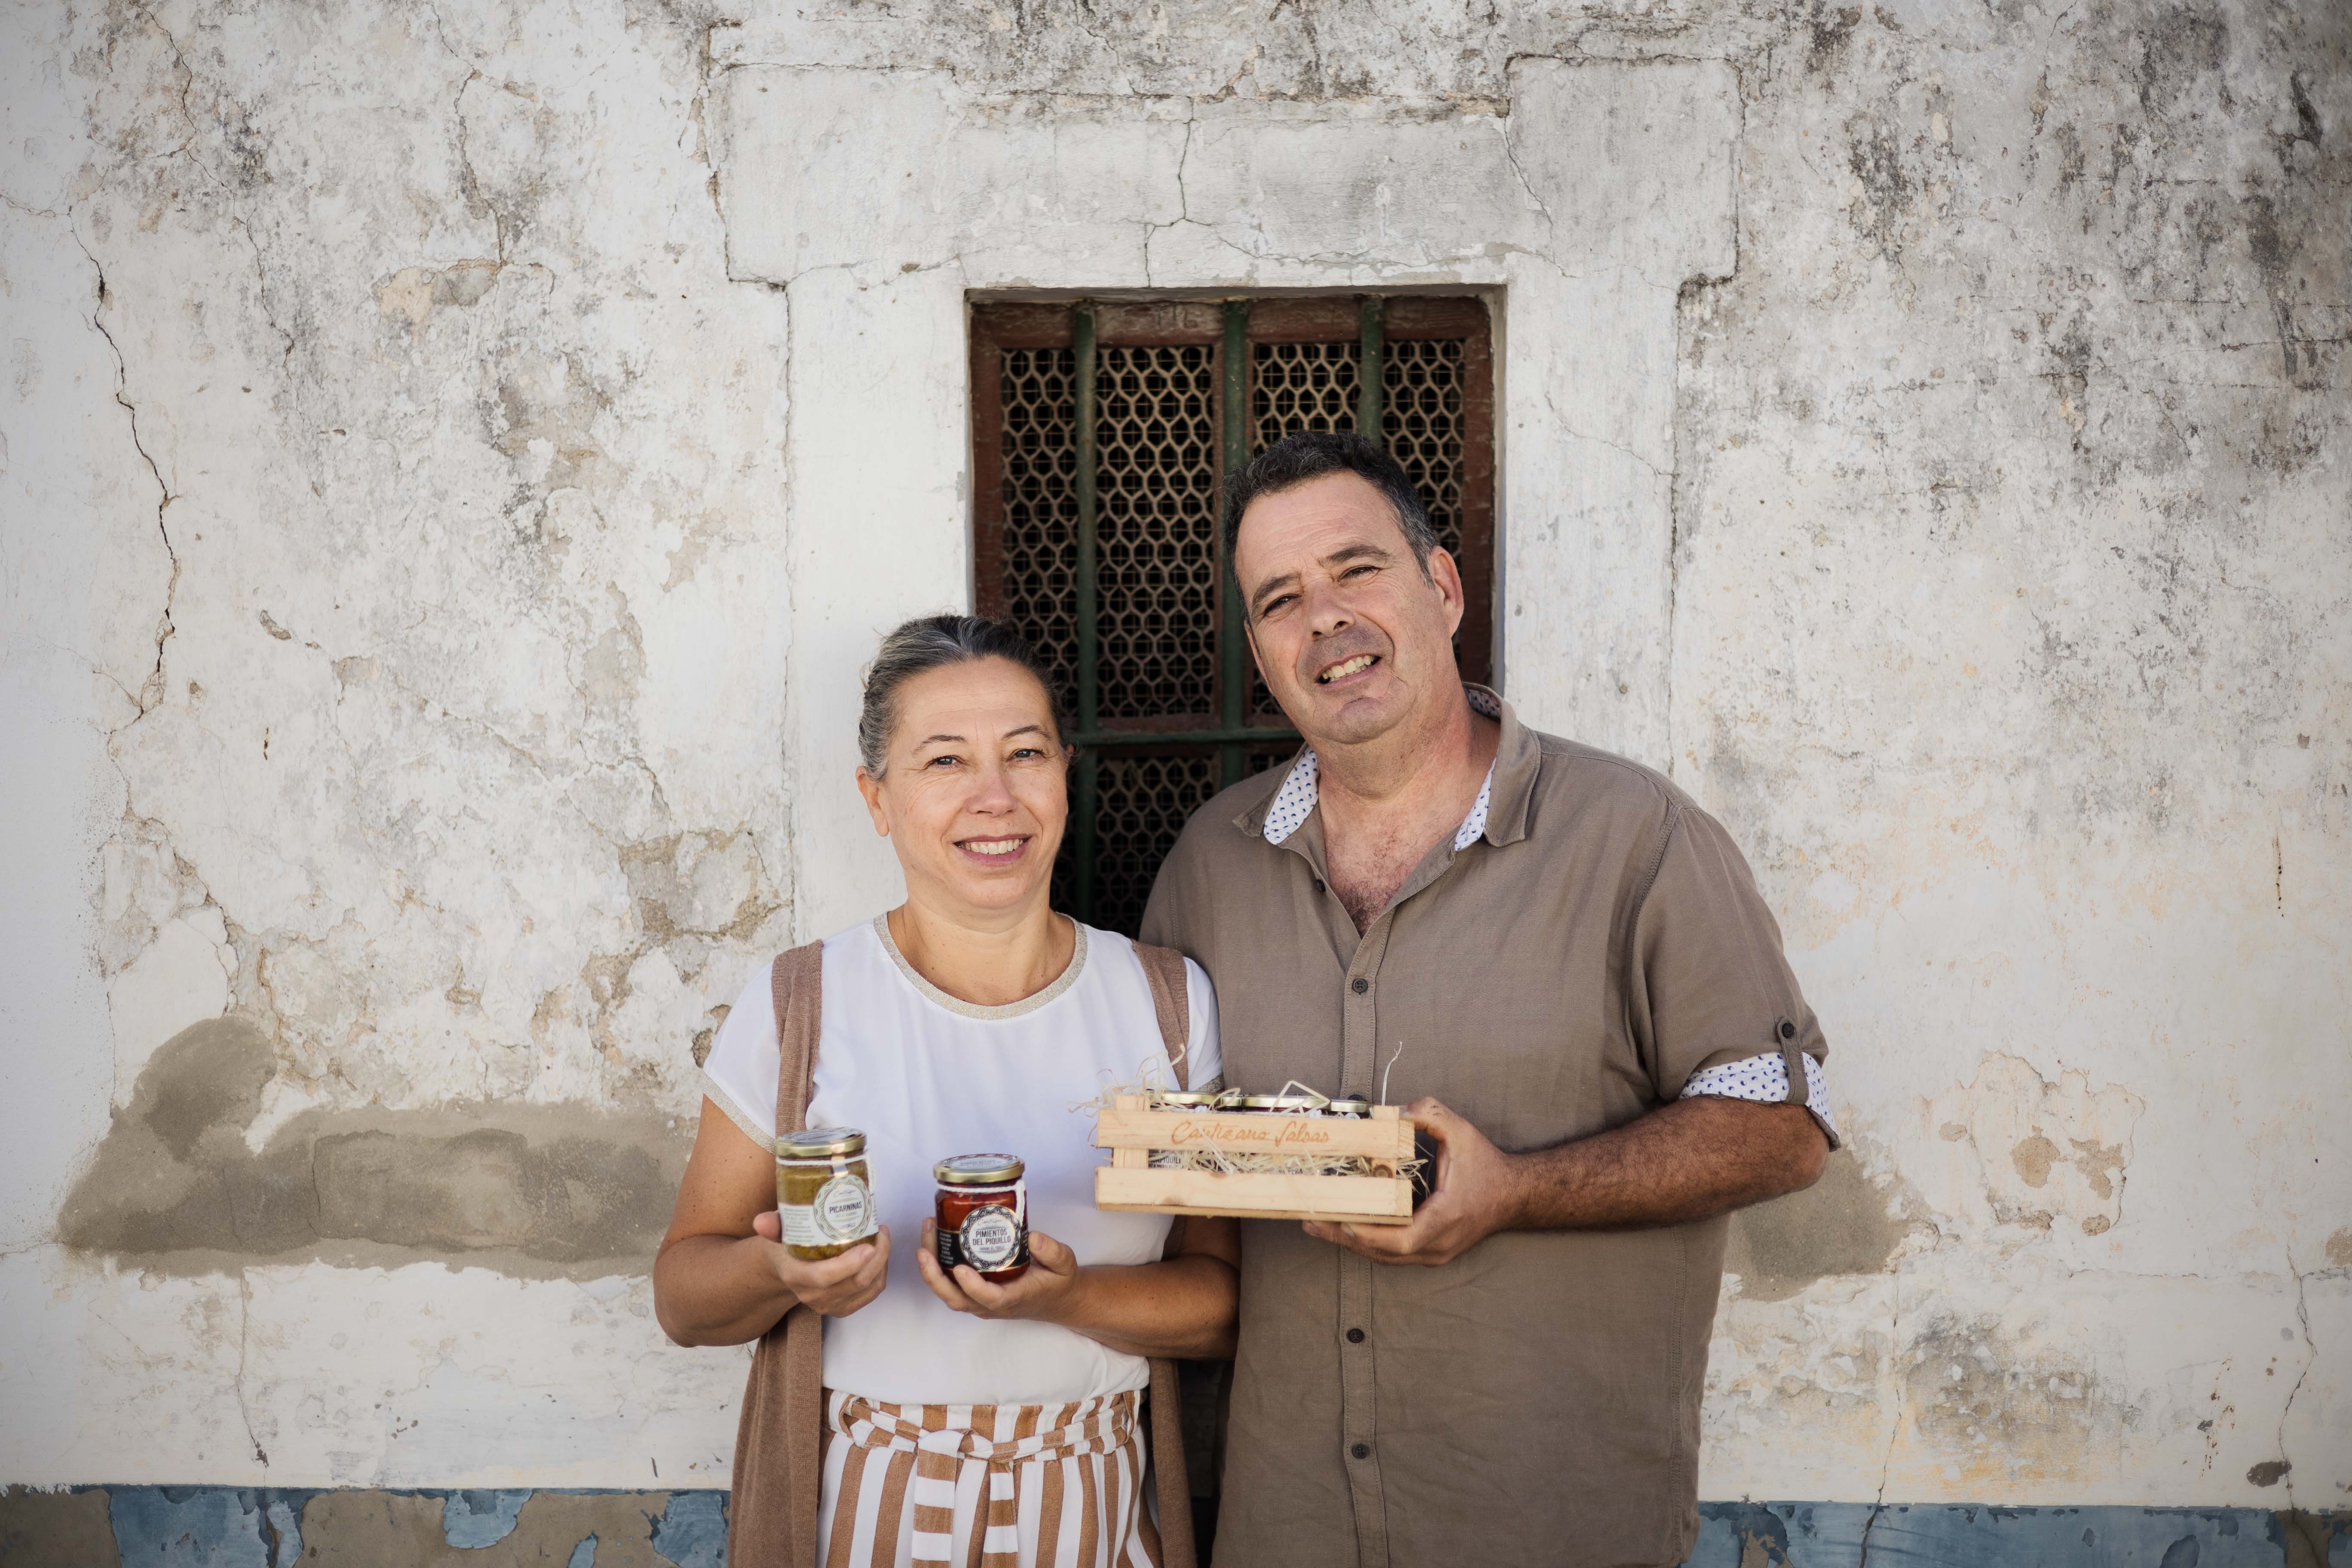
150, 692
2311, 1359
1691, 296
698, 116
468, 182
1511, 156
236, 218
1183, 197
244, 1347
1894, 1424
26, 208
1655, 473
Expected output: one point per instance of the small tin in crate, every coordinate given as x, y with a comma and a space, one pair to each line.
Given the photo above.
1156, 1165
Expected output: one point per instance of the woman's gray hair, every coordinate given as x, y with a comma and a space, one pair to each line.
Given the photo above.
934, 642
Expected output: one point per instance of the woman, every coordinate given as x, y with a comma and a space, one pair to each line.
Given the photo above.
970, 1018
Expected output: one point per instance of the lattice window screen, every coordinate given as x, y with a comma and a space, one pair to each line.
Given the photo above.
1146, 801
1302, 386
1158, 481
1040, 509
1421, 418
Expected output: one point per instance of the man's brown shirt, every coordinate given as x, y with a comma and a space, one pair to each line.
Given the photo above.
1537, 1400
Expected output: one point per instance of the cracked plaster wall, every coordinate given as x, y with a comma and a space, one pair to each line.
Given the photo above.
395, 657
434, 481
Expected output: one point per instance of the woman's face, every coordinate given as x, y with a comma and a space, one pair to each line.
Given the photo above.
974, 792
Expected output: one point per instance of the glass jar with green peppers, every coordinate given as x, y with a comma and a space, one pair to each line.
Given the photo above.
825, 1198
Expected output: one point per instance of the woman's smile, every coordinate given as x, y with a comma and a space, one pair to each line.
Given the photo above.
995, 851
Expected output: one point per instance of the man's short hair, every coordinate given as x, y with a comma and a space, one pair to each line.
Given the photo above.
1309, 455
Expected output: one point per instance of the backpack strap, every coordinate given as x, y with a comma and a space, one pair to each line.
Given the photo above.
1163, 969
796, 983
773, 1516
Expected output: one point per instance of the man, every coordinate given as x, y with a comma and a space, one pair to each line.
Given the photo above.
1566, 967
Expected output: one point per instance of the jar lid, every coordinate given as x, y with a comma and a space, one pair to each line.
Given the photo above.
817, 1142
1293, 1103
978, 1170
1186, 1099
1354, 1105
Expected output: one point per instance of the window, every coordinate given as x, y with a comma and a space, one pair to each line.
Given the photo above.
1101, 435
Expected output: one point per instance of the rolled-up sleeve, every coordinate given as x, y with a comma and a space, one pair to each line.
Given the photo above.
1707, 981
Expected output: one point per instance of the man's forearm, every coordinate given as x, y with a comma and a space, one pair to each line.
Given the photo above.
1681, 1161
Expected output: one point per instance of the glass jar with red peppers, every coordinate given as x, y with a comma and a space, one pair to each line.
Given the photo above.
982, 1209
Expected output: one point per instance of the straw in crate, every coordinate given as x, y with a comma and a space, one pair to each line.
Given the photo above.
1288, 1156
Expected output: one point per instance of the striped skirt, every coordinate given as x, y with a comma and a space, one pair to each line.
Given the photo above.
985, 1486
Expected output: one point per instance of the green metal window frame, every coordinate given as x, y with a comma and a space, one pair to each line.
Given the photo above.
1227, 325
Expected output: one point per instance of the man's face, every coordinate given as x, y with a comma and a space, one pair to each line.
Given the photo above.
1352, 637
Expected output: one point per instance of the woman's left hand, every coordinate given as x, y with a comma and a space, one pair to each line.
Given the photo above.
1044, 1292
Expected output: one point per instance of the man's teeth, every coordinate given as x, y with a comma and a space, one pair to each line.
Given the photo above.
1340, 671
992, 846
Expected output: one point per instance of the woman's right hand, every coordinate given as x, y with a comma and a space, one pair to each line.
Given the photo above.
833, 1287
723, 1276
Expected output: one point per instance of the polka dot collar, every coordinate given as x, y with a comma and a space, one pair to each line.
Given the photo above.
1295, 800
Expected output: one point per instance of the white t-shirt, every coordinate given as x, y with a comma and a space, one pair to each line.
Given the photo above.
924, 1076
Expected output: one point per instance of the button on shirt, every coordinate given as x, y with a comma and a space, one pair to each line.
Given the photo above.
1579, 955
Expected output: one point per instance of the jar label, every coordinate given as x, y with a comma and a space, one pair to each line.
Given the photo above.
798, 1222
991, 1238
844, 1209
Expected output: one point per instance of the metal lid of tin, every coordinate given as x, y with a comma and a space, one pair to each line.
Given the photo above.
978, 1170
820, 1143
1295, 1103
1185, 1099
1353, 1105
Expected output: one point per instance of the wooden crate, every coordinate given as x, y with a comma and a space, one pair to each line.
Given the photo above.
1131, 1132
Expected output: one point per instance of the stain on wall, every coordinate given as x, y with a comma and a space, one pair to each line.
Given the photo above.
223, 1527
532, 1190
1992, 1409
1840, 1225
2028, 1153
612, 1530
2307, 1539
57, 1529
1852, 1535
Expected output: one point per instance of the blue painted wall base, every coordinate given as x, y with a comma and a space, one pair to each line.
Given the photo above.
1847, 1534
226, 1527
